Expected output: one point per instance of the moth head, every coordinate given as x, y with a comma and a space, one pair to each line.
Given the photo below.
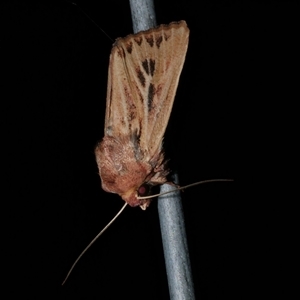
131, 196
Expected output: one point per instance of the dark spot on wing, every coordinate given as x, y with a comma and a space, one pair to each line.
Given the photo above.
166, 36
145, 66
121, 52
151, 92
149, 66
141, 98
158, 42
149, 40
135, 139
141, 77
129, 47
152, 66
138, 40
132, 116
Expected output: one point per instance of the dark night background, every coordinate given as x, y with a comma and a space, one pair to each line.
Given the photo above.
55, 63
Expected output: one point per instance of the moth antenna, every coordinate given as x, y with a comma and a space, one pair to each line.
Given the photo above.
92, 242
185, 187
90, 18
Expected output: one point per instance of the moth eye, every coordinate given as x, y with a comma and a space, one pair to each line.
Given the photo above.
144, 189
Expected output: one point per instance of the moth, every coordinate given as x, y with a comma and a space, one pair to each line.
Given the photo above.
143, 75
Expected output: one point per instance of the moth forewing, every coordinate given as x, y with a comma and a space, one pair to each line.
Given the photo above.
143, 76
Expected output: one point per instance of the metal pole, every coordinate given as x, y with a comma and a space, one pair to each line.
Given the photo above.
142, 14
169, 206
175, 245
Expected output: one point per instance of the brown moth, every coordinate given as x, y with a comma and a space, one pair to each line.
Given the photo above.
143, 75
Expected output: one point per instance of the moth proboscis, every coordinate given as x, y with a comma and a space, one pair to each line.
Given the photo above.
143, 76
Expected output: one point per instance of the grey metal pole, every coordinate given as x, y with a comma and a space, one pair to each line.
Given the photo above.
169, 206
142, 14
175, 244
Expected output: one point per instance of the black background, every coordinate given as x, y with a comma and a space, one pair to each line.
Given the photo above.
55, 63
